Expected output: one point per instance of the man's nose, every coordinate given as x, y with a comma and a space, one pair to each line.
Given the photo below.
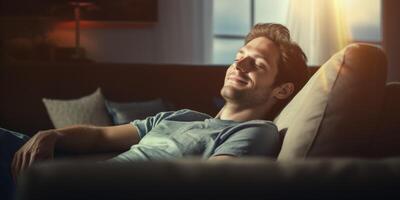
244, 64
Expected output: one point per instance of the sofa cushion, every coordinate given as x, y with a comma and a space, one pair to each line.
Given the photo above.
245, 178
336, 112
122, 113
88, 110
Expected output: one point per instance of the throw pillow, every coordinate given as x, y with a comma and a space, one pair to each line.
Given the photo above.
336, 112
88, 110
122, 113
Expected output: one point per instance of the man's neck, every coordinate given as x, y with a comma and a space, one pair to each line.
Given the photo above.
240, 114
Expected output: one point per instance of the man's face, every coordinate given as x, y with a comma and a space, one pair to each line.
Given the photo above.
249, 80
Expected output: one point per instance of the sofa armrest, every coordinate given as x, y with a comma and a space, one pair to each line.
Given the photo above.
196, 179
386, 143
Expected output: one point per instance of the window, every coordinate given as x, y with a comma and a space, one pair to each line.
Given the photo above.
365, 23
232, 20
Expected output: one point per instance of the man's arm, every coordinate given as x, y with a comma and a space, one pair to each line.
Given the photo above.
82, 139
86, 139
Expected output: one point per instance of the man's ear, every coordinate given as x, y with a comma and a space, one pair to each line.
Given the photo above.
283, 91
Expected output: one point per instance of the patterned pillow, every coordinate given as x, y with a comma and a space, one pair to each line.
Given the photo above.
89, 110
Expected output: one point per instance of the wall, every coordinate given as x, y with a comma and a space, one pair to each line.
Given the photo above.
181, 35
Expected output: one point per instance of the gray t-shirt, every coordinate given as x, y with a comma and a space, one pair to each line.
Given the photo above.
187, 133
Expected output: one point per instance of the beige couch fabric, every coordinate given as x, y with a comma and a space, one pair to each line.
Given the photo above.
336, 112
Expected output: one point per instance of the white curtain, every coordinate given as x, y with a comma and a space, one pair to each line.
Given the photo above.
319, 27
184, 31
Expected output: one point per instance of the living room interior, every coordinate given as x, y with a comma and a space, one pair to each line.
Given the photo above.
107, 63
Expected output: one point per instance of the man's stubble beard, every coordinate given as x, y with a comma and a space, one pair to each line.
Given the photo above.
231, 94
236, 96
241, 97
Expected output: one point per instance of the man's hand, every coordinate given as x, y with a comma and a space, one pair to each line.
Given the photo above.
78, 139
39, 147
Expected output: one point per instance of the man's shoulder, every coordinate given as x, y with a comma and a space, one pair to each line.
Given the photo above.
258, 123
187, 115
255, 129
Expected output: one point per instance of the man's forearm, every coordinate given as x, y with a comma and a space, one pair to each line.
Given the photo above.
79, 139
86, 139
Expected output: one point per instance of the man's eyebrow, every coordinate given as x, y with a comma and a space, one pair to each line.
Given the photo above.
241, 50
260, 56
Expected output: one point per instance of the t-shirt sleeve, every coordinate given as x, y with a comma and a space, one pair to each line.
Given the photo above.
144, 126
261, 140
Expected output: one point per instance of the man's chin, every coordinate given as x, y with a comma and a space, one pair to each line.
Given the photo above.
230, 92
234, 87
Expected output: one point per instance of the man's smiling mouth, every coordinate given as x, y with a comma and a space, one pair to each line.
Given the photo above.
237, 79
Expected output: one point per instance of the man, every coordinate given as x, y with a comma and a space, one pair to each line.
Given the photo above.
268, 70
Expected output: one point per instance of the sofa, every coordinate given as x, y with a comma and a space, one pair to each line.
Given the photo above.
341, 133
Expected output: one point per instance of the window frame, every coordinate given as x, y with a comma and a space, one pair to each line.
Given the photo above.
236, 36
252, 22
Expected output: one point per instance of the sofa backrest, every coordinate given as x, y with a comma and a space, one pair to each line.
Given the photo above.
23, 85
